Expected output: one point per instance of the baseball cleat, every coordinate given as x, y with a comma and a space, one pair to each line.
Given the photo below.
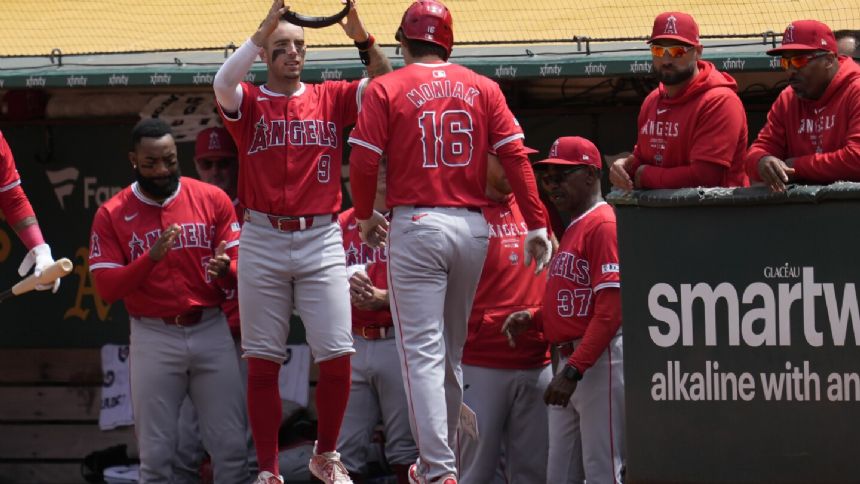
328, 468
414, 478
267, 477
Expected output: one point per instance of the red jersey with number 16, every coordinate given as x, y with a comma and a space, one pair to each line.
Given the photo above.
587, 261
436, 123
290, 147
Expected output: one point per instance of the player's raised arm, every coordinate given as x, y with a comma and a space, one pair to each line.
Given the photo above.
370, 52
228, 92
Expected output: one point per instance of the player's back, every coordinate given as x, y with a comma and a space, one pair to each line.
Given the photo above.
440, 120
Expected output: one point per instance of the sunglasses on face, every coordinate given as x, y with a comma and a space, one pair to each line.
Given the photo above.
675, 51
559, 177
799, 61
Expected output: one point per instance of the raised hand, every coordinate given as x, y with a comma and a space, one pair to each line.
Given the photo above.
220, 263
164, 243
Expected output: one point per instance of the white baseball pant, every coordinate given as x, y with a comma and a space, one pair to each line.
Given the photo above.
435, 258
586, 439
169, 362
512, 417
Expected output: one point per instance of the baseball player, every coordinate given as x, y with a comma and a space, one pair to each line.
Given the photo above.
581, 315
20, 216
503, 385
215, 159
164, 245
693, 127
436, 121
377, 388
288, 136
813, 129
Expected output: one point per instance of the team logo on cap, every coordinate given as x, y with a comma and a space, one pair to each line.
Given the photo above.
788, 36
553, 152
584, 157
214, 141
671, 27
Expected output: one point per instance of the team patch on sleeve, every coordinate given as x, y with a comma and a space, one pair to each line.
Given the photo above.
235, 227
608, 268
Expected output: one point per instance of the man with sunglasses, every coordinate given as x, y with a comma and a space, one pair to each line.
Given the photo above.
693, 127
581, 316
813, 128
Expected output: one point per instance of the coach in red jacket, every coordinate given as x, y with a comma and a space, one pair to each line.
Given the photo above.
813, 129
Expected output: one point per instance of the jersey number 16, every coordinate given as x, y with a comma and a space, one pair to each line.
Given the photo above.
447, 138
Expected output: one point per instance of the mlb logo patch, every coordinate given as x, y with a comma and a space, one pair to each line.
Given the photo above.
235, 227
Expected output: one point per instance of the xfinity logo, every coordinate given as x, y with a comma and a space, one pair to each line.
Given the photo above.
331, 74
202, 78
35, 81
550, 70
73, 81
592, 69
506, 71
637, 67
156, 79
118, 80
734, 64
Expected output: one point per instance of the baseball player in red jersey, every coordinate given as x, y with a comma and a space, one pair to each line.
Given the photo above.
436, 121
693, 127
377, 388
289, 139
20, 216
813, 129
505, 386
215, 159
164, 245
581, 315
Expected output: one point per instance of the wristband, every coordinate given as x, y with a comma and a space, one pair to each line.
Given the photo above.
367, 44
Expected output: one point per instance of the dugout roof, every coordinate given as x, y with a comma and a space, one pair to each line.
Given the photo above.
154, 43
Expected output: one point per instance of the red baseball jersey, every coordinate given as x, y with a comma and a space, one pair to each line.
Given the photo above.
9, 178
376, 267
823, 135
506, 286
706, 122
586, 262
436, 123
230, 306
290, 147
127, 226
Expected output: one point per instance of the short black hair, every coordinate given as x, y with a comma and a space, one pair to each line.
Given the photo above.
149, 128
421, 48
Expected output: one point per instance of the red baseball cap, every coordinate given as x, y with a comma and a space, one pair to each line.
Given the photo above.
529, 151
573, 150
806, 35
675, 26
214, 143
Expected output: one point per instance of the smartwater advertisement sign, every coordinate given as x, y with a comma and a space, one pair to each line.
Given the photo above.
741, 328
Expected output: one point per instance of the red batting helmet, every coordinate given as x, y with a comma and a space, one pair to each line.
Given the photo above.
430, 21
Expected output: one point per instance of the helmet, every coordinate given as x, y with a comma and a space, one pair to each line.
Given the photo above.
430, 21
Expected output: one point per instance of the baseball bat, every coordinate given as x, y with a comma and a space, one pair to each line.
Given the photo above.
60, 268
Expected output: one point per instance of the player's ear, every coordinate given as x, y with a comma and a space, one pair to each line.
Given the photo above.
699, 51
132, 157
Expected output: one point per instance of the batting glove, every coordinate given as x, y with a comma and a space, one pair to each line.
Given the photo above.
39, 256
539, 247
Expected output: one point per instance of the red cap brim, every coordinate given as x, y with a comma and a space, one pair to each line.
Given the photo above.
559, 161
673, 37
788, 47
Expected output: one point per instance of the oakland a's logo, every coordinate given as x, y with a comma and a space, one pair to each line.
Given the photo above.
788, 36
671, 27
